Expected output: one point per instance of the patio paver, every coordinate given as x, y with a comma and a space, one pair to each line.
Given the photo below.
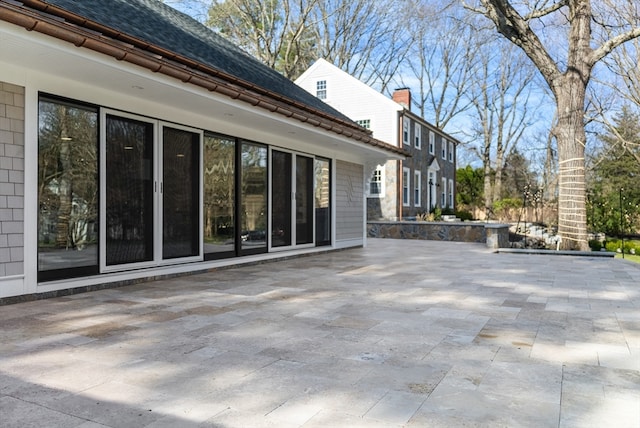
398, 334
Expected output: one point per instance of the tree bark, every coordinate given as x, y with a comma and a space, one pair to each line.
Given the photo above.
571, 137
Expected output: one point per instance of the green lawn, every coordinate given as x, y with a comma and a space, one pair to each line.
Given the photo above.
632, 257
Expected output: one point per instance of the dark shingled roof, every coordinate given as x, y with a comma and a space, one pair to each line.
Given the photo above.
163, 26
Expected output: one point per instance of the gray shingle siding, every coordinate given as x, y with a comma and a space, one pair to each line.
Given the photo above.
11, 180
349, 201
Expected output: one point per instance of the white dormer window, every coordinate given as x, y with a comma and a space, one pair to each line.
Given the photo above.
321, 89
418, 136
365, 123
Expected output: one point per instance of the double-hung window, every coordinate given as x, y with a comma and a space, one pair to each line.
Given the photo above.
443, 200
432, 142
417, 188
450, 151
405, 130
321, 89
450, 193
376, 184
418, 136
406, 176
444, 148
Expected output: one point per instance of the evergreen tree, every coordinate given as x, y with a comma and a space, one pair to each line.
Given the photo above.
614, 177
469, 185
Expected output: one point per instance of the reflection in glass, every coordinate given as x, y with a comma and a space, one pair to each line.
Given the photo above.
280, 199
304, 200
254, 197
67, 189
129, 191
180, 193
219, 194
323, 201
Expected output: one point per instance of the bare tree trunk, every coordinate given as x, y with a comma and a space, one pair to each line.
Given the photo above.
568, 85
487, 187
571, 137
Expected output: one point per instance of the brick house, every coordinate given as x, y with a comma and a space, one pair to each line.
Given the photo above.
396, 189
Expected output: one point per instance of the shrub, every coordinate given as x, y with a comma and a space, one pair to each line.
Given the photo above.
614, 244
595, 245
437, 214
464, 215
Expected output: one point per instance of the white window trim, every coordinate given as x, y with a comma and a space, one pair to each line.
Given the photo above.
365, 123
432, 194
451, 151
322, 89
432, 142
405, 130
450, 189
406, 176
444, 148
381, 170
417, 189
417, 136
443, 195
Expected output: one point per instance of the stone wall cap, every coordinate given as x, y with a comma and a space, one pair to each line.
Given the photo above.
557, 253
495, 225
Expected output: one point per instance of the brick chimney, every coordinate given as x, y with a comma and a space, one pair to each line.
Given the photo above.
403, 97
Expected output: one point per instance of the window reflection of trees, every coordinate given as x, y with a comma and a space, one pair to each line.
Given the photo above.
254, 194
219, 193
67, 183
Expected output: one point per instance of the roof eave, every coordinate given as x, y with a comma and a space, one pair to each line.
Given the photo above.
44, 18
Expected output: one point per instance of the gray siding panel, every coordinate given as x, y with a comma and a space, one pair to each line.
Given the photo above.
11, 179
349, 201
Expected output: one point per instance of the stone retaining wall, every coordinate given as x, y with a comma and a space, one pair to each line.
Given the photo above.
492, 234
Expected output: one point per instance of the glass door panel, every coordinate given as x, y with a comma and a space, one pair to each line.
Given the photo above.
219, 196
129, 191
67, 189
281, 199
180, 193
254, 198
322, 190
304, 200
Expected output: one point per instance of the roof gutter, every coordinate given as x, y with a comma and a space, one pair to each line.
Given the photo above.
81, 32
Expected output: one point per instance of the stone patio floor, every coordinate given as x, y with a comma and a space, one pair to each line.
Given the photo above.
398, 334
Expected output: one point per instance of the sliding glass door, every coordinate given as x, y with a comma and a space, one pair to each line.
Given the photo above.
67, 189
151, 192
129, 191
180, 193
281, 188
292, 205
304, 200
253, 197
322, 189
